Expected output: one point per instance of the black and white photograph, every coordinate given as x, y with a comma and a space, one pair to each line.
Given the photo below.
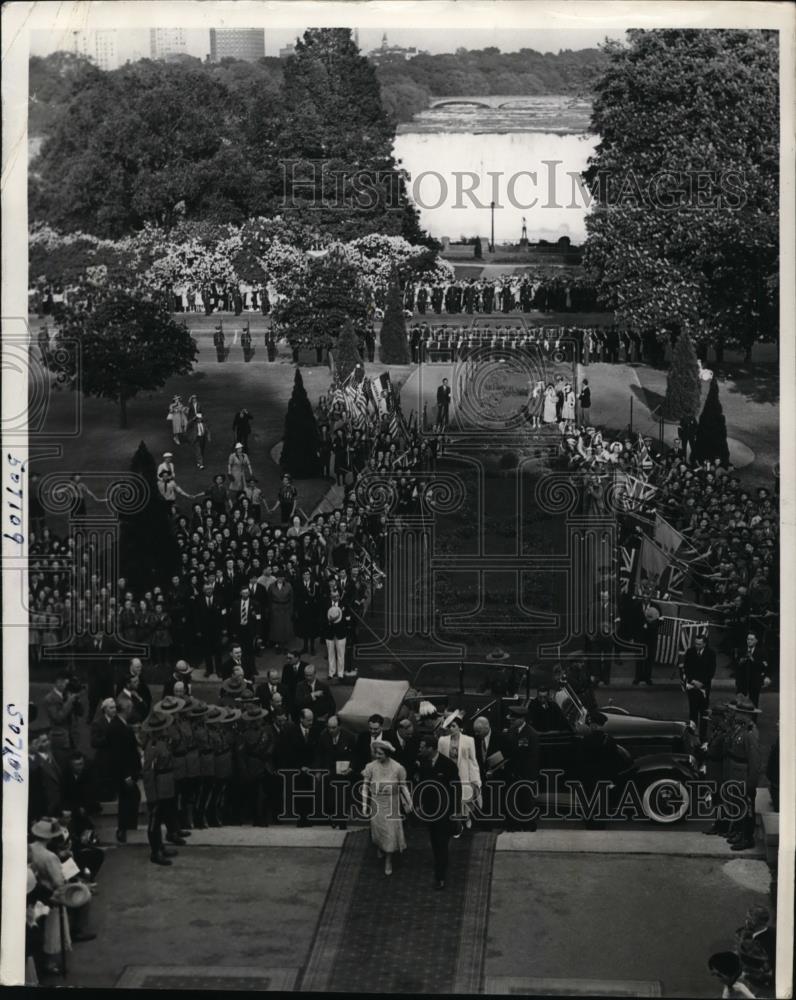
398, 487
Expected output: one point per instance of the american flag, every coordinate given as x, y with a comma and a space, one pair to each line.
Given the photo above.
675, 635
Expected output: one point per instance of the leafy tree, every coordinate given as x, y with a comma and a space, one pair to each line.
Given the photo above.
148, 549
150, 142
125, 344
393, 342
346, 353
711, 435
683, 387
685, 182
318, 305
300, 446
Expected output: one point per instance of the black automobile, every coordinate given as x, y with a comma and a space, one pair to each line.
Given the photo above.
659, 758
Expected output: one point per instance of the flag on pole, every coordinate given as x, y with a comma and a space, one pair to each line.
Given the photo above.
635, 492
651, 564
627, 568
675, 635
385, 396
672, 580
667, 538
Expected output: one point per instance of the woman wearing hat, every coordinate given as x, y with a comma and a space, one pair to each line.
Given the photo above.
460, 749
384, 792
49, 874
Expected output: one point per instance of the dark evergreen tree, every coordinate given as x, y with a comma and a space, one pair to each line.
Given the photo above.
148, 549
393, 343
346, 353
478, 251
683, 387
300, 445
340, 127
711, 435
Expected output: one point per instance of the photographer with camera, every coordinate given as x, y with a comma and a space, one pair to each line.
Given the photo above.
63, 707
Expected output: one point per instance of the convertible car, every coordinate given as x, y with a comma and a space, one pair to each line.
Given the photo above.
658, 756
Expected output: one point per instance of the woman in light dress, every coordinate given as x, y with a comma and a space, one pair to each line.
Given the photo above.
460, 749
384, 790
549, 411
568, 410
177, 416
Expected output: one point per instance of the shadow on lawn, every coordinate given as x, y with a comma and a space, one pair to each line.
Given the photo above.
651, 399
758, 383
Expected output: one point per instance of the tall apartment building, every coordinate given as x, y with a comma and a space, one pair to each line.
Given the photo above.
237, 43
98, 46
165, 42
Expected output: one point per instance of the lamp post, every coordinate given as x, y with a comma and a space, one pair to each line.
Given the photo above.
492, 210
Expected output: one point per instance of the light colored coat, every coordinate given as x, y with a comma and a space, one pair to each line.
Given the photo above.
467, 763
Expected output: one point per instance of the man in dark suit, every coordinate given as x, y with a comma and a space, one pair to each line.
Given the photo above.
44, 777
298, 754
96, 666
292, 675
208, 624
436, 799
272, 686
522, 745
228, 588
125, 764
314, 695
443, 403
406, 744
751, 673
366, 740
544, 714
490, 752
246, 626
335, 759
699, 666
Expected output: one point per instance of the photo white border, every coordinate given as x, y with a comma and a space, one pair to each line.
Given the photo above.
19, 19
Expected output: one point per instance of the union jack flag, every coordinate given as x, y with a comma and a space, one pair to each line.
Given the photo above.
635, 492
627, 569
672, 580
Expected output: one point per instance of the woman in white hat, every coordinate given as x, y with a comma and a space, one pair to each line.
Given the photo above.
49, 874
460, 749
384, 790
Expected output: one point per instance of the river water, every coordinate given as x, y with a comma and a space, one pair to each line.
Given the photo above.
526, 157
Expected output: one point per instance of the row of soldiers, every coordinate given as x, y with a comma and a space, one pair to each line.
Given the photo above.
210, 765
451, 344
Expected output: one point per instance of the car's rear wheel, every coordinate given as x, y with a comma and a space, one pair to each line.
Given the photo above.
666, 800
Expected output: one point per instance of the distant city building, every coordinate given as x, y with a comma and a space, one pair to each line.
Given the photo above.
287, 50
386, 50
164, 42
98, 46
237, 43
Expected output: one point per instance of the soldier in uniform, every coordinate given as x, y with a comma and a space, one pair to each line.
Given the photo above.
219, 342
158, 778
742, 763
255, 745
207, 767
221, 737
246, 342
